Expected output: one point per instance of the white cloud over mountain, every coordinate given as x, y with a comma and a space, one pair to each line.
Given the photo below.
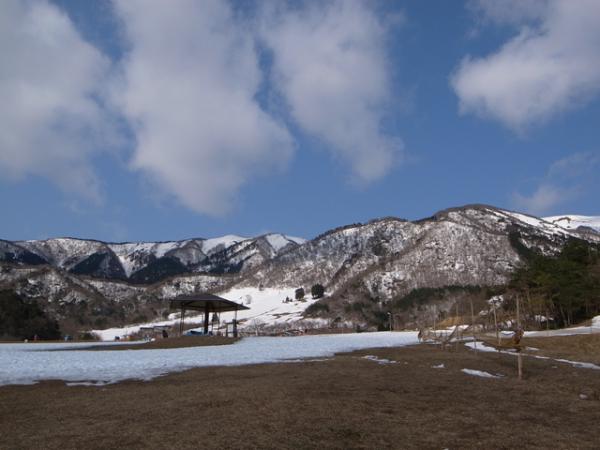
565, 180
549, 67
51, 121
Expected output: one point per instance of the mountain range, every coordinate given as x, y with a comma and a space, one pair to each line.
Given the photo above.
148, 262
88, 283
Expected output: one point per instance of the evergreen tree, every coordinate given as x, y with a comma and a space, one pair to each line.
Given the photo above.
566, 287
299, 294
20, 319
317, 291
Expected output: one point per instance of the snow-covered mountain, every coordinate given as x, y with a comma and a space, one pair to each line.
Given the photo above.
459, 246
99, 283
148, 262
573, 222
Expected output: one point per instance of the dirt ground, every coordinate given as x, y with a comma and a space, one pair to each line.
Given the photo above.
175, 342
344, 402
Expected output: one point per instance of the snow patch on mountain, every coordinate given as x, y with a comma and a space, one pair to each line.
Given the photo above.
542, 225
222, 242
280, 241
572, 221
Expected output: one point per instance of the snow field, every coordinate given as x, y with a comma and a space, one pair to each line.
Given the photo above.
31, 363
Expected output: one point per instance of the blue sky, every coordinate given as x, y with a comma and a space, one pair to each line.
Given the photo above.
140, 120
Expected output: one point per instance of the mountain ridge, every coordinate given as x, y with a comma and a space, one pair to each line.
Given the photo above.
127, 259
378, 261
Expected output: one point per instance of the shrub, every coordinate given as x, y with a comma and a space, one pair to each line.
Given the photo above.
317, 308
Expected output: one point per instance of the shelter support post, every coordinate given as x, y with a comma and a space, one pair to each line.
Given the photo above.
235, 333
181, 320
206, 319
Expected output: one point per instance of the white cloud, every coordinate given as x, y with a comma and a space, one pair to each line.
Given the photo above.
543, 199
50, 122
330, 65
189, 85
564, 181
573, 167
551, 66
508, 12
188, 88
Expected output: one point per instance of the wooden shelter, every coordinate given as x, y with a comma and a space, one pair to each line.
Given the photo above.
208, 303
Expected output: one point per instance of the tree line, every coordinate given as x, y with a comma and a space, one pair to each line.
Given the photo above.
563, 288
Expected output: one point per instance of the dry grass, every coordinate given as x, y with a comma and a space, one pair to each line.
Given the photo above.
175, 342
345, 402
583, 347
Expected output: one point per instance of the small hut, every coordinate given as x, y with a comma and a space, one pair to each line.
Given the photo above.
208, 303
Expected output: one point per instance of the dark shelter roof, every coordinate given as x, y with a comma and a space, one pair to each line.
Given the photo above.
205, 302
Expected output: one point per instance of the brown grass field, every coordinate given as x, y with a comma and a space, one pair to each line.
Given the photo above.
343, 402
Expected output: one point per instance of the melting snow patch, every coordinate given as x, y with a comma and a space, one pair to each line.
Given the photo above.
579, 364
379, 360
308, 360
439, 366
582, 365
480, 373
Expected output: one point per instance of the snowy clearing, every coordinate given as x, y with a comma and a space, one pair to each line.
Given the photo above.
266, 308
30, 363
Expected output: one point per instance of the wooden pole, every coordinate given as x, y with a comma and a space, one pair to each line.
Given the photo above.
519, 356
473, 324
518, 314
496, 325
434, 318
456, 326
181, 319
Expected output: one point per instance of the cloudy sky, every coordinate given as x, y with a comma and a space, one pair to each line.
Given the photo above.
154, 120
